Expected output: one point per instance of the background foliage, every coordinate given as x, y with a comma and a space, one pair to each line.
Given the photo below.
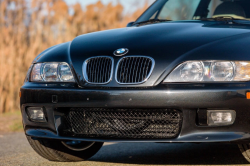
26, 29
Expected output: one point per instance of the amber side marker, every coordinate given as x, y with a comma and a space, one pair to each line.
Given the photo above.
20, 94
248, 95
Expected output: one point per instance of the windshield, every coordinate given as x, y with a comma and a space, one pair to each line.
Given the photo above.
196, 9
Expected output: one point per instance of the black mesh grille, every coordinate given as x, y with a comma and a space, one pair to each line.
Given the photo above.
124, 123
133, 70
98, 70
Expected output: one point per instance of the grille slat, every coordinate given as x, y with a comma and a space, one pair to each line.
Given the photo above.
141, 65
106, 69
144, 68
103, 70
127, 73
134, 70
98, 70
121, 75
124, 68
147, 68
124, 123
130, 71
92, 69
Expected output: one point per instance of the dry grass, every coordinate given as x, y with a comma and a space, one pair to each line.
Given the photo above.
27, 29
11, 122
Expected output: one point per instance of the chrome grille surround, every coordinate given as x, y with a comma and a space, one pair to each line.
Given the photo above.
133, 74
102, 75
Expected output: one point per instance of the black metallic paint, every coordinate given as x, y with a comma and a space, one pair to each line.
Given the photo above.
170, 44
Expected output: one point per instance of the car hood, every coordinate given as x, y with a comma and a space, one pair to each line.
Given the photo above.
165, 42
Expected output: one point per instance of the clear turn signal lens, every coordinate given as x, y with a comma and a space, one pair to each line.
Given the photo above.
192, 71
65, 73
242, 71
36, 73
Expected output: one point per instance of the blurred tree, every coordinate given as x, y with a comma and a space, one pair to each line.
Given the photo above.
29, 27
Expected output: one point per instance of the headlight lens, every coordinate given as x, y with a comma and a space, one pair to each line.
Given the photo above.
222, 71
51, 72
192, 71
210, 71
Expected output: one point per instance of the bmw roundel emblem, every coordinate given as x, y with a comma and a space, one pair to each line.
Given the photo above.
121, 52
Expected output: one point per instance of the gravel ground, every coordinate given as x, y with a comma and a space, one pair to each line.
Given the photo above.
15, 150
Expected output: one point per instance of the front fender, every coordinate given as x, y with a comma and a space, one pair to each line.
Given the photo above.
58, 53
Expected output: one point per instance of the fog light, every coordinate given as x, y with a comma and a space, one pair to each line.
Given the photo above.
36, 114
221, 117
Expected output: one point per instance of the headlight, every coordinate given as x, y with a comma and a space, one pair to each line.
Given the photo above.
51, 72
210, 71
192, 71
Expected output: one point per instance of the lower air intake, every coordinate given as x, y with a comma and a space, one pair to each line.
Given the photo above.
124, 123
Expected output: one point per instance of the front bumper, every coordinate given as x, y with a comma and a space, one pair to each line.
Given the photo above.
186, 98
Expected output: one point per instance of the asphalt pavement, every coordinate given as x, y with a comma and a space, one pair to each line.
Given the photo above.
15, 150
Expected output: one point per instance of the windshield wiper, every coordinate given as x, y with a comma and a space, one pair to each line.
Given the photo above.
228, 19
151, 21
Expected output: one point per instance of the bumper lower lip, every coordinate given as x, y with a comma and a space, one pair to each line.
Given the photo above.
196, 137
185, 98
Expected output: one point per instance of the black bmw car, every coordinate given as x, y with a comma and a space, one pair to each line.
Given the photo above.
179, 73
